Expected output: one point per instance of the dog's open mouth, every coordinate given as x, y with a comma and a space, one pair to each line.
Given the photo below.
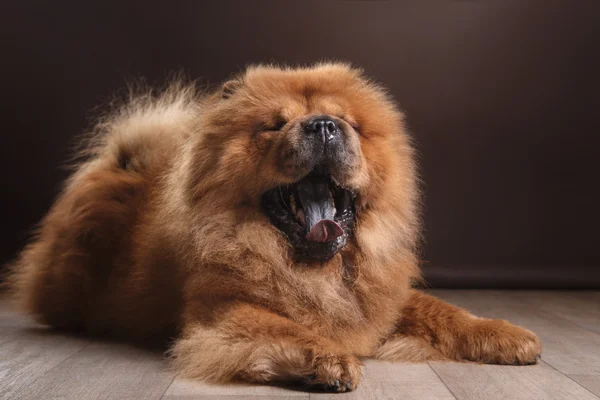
314, 213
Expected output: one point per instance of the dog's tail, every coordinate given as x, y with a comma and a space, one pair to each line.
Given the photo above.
133, 134
89, 224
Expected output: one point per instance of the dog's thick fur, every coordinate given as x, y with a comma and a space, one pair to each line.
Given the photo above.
161, 231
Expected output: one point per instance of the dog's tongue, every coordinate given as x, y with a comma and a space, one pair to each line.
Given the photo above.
319, 211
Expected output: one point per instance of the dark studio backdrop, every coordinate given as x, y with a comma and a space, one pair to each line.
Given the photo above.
501, 96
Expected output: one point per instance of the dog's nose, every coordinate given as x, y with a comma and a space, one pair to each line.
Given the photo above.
323, 127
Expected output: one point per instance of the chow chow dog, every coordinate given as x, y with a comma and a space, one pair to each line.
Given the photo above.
271, 227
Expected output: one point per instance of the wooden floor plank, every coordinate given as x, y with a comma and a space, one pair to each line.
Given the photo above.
28, 352
233, 397
189, 389
581, 308
385, 380
469, 381
590, 382
104, 370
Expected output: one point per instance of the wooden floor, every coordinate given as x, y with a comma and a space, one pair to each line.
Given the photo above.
37, 364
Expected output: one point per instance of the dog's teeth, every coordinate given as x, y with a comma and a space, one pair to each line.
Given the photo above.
301, 217
293, 203
298, 212
332, 198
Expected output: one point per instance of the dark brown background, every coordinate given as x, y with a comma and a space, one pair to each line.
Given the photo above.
501, 95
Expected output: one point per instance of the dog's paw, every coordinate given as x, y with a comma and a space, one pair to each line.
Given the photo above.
337, 373
500, 342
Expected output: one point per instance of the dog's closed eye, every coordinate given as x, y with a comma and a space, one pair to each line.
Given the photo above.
356, 127
276, 125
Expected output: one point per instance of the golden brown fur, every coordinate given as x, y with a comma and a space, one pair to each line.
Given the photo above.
162, 230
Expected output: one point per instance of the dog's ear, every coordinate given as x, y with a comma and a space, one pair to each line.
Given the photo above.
230, 87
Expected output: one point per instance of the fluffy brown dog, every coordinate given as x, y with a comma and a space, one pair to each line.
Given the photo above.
272, 224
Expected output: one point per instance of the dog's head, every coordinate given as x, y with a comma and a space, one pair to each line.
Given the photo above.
321, 150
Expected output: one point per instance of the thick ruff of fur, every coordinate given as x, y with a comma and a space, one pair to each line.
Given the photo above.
160, 232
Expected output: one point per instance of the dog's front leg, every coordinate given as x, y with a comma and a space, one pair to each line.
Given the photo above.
252, 344
431, 329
